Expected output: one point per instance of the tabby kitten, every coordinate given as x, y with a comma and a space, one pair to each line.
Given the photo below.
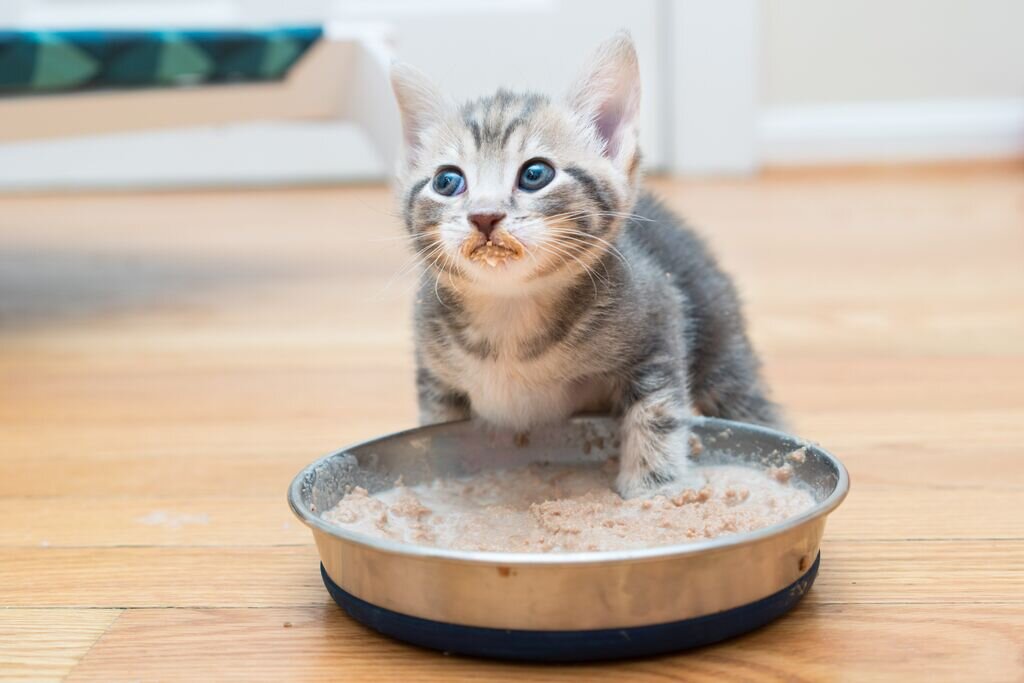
553, 284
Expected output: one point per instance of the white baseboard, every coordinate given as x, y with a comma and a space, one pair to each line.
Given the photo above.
891, 131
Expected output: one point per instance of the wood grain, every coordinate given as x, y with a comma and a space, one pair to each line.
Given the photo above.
152, 577
961, 571
168, 361
879, 512
153, 521
822, 642
45, 644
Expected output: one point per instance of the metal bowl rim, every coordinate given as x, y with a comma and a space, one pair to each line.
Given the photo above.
595, 557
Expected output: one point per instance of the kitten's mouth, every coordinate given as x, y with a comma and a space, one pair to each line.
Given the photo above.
498, 249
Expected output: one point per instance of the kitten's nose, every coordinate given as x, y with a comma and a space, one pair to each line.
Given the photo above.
485, 221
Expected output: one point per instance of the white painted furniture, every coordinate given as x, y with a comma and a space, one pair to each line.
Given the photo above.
343, 76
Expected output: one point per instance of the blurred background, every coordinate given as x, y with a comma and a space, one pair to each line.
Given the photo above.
729, 87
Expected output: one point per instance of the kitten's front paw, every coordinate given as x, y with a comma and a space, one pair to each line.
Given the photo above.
647, 482
638, 484
654, 460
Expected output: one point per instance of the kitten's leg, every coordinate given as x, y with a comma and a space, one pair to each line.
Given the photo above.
655, 433
439, 402
730, 386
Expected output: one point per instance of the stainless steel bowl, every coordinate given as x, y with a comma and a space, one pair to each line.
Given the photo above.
416, 592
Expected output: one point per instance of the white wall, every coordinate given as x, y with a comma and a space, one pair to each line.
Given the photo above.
816, 52
891, 80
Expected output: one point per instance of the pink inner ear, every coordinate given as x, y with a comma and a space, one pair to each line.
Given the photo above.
609, 118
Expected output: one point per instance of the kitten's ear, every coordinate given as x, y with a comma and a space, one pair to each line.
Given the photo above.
420, 102
607, 92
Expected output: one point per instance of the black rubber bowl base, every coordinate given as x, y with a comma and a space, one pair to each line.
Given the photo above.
574, 646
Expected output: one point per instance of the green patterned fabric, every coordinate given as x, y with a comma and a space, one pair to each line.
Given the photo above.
60, 61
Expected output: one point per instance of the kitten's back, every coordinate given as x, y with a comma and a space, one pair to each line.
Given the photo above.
723, 368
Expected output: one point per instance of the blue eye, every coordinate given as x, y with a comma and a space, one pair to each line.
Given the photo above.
535, 175
449, 181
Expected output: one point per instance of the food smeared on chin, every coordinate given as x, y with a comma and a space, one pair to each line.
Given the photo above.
496, 250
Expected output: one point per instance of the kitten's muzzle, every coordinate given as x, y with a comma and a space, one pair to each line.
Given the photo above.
486, 221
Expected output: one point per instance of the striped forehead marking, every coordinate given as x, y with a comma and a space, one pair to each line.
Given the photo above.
492, 120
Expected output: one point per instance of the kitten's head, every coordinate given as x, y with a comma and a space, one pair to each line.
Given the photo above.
513, 188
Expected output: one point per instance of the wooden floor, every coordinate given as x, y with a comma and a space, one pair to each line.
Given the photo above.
169, 361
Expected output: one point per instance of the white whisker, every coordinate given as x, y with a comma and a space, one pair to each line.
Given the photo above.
558, 251
568, 232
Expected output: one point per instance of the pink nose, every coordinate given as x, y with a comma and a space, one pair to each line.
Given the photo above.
486, 221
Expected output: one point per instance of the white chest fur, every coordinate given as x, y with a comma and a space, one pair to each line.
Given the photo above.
516, 395
512, 392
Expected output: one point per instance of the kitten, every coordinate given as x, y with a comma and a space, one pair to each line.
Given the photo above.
554, 285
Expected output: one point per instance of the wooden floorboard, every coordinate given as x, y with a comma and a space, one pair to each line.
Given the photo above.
168, 361
955, 571
879, 512
822, 642
45, 644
